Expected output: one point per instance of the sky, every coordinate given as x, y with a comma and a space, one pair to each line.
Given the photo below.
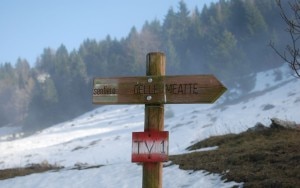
27, 27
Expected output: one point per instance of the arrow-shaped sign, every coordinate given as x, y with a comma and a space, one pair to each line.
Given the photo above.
157, 90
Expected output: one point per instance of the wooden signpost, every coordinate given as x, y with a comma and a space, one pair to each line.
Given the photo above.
154, 90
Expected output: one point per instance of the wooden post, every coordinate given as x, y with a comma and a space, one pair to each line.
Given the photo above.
154, 90
154, 120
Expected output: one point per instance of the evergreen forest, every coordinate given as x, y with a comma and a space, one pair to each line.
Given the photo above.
229, 39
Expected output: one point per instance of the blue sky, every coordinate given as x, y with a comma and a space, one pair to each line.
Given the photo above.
27, 27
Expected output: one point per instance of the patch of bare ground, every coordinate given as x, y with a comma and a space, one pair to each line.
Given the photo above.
40, 168
268, 157
30, 169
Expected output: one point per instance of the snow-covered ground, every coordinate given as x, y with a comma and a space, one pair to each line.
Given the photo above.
103, 137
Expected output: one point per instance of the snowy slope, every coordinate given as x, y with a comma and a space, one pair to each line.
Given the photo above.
103, 136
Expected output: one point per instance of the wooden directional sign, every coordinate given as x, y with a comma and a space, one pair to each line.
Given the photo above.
150, 146
157, 90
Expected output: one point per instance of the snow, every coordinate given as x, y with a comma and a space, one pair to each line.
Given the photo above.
103, 137
8, 132
116, 175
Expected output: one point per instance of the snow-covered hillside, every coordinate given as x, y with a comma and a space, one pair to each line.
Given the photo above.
103, 137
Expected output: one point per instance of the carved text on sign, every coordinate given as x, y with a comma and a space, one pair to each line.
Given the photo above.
146, 89
150, 146
189, 88
105, 90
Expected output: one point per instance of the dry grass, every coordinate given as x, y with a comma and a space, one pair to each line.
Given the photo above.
266, 158
33, 168
42, 167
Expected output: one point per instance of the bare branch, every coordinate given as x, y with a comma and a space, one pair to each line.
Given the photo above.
291, 54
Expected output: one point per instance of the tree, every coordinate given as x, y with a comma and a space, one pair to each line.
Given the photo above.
255, 23
94, 56
291, 54
22, 70
42, 110
46, 61
24, 88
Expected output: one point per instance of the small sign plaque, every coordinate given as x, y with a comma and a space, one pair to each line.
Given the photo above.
150, 146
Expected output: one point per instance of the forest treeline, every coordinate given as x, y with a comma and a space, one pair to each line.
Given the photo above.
228, 39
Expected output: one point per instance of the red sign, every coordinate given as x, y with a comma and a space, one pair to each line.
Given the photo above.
151, 146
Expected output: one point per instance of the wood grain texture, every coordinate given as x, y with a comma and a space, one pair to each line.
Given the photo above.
154, 121
178, 89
